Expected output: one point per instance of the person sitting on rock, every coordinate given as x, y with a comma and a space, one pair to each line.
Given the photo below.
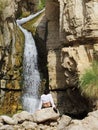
46, 101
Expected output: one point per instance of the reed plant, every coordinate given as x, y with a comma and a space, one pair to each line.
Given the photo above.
89, 81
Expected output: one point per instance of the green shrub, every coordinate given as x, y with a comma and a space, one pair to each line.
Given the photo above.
41, 4
89, 81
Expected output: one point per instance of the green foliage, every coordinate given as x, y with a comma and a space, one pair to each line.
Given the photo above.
41, 4
89, 81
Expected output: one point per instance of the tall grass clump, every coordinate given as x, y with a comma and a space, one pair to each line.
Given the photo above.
89, 81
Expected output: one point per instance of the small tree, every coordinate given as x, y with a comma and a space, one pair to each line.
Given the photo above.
89, 81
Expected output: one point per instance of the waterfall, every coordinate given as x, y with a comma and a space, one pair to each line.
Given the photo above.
30, 98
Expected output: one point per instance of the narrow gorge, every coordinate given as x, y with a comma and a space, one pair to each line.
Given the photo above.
65, 36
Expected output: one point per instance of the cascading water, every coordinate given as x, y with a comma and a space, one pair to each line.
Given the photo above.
30, 98
31, 75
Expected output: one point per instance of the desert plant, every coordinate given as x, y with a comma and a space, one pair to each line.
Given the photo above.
89, 81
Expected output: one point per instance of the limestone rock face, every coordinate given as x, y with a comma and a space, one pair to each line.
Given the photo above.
72, 33
76, 60
27, 7
78, 19
72, 24
11, 48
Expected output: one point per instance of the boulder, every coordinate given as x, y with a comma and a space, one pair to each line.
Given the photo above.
6, 127
88, 123
24, 115
63, 122
94, 114
29, 125
45, 114
1, 120
9, 120
1, 124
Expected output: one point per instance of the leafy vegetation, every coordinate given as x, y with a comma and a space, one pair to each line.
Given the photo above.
89, 81
41, 4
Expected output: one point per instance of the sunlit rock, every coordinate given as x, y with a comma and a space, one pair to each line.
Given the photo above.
45, 114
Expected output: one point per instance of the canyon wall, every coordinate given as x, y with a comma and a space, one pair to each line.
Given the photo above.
11, 48
71, 45
66, 39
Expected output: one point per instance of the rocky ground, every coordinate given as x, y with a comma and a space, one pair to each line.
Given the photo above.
47, 119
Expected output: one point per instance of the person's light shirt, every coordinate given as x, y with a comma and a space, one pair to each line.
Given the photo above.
46, 98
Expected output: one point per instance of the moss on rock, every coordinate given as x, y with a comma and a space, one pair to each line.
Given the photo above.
32, 24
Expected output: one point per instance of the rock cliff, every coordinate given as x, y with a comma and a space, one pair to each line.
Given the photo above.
66, 38
11, 48
72, 33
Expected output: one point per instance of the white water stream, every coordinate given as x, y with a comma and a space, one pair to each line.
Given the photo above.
30, 99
